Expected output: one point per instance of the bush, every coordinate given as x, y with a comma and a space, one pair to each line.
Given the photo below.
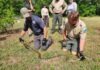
98, 9
87, 10
6, 14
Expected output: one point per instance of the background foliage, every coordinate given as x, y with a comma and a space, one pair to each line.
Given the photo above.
10, 8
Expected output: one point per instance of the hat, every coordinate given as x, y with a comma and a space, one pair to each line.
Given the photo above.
25, 12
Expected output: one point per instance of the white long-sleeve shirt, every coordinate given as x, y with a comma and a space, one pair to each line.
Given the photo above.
72, 7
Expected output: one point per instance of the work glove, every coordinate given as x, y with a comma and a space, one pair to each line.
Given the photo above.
63, 43
21, 40
44, 41
82, 57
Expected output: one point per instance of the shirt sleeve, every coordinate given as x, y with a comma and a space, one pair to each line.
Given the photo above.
83, 32
65, 6
26, 26
50, 7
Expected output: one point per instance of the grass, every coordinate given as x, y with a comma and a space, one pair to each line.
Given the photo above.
13, 56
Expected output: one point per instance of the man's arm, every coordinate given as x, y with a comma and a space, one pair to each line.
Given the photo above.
65, 7
82, 38
23, 32
50, 8
45, 32
31, 6
81, 45
64, 35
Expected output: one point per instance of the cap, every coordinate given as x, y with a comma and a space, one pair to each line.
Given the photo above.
25, 12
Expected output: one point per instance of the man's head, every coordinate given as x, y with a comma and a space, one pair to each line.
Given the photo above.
44, 6
73, 18
25, 12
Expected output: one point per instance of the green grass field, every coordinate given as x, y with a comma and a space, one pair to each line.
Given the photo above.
13, 56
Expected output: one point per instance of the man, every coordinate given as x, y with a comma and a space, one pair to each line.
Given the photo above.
57, 8
45, 15
72, 6
38, 28
29, 5
74, 33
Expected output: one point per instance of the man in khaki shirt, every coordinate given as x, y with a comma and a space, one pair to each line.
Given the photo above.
74, 33
57, 8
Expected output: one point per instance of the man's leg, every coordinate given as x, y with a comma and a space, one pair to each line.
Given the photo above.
48, 44
59, 21
37, 43
68, 46
54, 22
74, 47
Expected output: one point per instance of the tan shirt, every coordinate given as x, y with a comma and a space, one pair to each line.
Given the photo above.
58, 7
44, 12
78, 31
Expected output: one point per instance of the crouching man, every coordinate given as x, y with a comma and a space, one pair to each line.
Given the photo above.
74, 34
38, 28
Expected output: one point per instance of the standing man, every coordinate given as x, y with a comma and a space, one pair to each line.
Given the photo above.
57, 8
38, 28
75, 34
29, 5
72, 6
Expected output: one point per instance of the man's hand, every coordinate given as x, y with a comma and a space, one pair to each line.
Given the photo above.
44, 41
63, 43
21, 40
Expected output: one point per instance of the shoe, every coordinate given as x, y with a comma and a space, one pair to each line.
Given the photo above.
81, 58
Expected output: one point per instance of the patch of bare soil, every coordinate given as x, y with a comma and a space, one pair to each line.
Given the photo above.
9, 34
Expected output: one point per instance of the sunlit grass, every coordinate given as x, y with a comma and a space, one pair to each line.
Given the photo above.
13, 56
